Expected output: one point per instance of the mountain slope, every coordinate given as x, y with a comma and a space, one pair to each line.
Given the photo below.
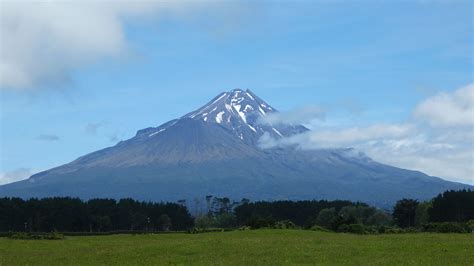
214, 151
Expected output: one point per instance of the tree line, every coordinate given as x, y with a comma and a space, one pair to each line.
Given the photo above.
450, 206
95, 215
449, 211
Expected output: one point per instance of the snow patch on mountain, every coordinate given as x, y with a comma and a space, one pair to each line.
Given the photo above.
219, 117
159, 131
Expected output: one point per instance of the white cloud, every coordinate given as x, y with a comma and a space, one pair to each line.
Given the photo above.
439, 142
448, 109
305, 115
93, 128
15, 175
336, 138
42, 41
454, 160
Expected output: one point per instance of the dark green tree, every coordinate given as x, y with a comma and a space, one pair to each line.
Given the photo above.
404, 212
453, 206
421, 213
164, 222
326, 217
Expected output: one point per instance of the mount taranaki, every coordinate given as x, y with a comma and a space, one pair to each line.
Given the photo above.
214, 151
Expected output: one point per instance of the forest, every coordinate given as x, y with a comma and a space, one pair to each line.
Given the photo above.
451, 211
95, 215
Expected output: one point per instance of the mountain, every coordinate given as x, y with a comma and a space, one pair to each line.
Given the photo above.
214, 151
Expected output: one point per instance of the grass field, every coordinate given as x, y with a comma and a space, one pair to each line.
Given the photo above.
244, 247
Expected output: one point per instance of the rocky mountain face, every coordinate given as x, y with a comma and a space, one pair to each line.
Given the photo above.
214, 151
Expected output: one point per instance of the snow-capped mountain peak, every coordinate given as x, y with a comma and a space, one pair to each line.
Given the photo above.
239, 111
235, 104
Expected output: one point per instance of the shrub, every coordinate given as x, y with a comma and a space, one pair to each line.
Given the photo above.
470, 225
36, 236
319, 228
203, 222
371, 229
447, 227
197, 230
381, 229
357, 229
19, 235
394, 230
413, 230
285, 224
260, 222
352, 228
343, 228
54, 236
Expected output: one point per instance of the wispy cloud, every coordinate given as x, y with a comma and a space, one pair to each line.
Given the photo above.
102, 129
352, 106
304, 115
15, 175
48, 137
93, 128
114, 138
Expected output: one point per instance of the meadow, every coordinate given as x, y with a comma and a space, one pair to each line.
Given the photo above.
252, 247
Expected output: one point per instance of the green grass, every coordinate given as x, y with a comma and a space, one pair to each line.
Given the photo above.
258, 247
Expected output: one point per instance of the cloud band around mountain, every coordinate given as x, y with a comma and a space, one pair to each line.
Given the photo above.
438, 139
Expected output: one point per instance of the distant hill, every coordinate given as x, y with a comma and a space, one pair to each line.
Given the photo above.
214, 151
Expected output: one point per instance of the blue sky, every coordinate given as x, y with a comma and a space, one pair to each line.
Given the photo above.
85, 85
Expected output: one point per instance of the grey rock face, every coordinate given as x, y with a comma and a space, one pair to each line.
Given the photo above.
214, 151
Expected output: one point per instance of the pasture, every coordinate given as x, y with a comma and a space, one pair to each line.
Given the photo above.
254, 247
